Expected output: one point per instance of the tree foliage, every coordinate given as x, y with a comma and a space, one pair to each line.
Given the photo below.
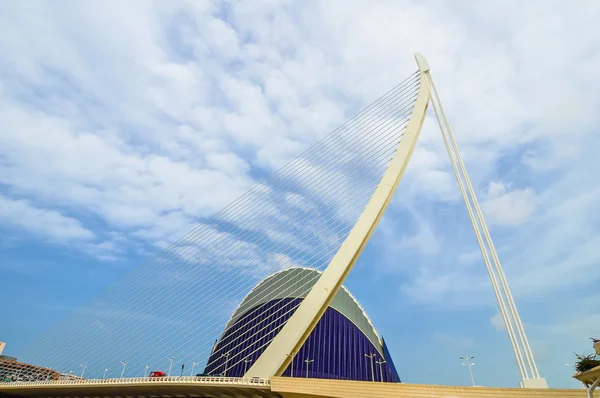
586, 362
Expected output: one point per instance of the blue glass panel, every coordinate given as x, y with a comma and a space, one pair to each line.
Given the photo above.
336, 346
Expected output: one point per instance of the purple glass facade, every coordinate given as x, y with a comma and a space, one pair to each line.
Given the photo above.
336, 347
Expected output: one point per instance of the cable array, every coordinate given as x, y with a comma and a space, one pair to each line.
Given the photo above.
170, 311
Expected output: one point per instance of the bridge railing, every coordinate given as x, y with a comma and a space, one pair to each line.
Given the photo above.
136, 380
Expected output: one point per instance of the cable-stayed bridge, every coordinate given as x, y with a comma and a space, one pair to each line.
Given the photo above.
318, 212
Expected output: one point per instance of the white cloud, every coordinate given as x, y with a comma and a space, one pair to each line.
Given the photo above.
497, 322
49, 224
454, 341
470, 257
506, 207
447, 289
101, 174
291, 86
425, 240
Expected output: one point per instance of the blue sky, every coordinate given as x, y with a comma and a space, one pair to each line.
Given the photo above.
123, 124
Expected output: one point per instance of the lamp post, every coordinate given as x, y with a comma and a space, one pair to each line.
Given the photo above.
468, 364
371, 356
170, 365
380, 363
308, 363
193, 366
246, 362
83, 371
124, 365
226, 355
146, 371
292, 364
104, 375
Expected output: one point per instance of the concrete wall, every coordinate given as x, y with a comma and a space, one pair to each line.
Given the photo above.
307, 388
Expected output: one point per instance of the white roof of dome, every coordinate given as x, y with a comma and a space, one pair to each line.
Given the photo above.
282, 285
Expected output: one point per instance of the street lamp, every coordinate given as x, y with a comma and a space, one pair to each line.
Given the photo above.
307, 363
193, 366
226, 355
468, 364
292, 365
104, 375
246, 362
124, 365
170, 365
146, 371
83, 371
380, 363
371, 356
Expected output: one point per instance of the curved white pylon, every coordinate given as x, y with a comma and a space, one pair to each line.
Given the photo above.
277, 356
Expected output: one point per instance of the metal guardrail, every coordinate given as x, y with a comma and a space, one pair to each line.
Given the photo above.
137, 380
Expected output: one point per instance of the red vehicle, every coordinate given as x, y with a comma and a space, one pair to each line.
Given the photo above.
157, 373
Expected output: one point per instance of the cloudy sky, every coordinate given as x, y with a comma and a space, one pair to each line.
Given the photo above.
124, 123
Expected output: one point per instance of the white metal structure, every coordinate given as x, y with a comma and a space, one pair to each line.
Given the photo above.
318, 211
276, 357
170, 359
177, 304
530, 377
124, 366
469, 364
380, 362
308, 362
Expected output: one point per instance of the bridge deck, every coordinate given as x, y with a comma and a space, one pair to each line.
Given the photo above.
143, 387
281, 387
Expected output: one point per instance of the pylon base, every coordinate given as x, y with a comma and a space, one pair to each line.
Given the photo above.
534, 383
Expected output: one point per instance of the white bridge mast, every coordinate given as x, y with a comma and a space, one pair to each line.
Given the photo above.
277, 356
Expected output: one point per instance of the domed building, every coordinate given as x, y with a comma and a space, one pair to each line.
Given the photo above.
343, 345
